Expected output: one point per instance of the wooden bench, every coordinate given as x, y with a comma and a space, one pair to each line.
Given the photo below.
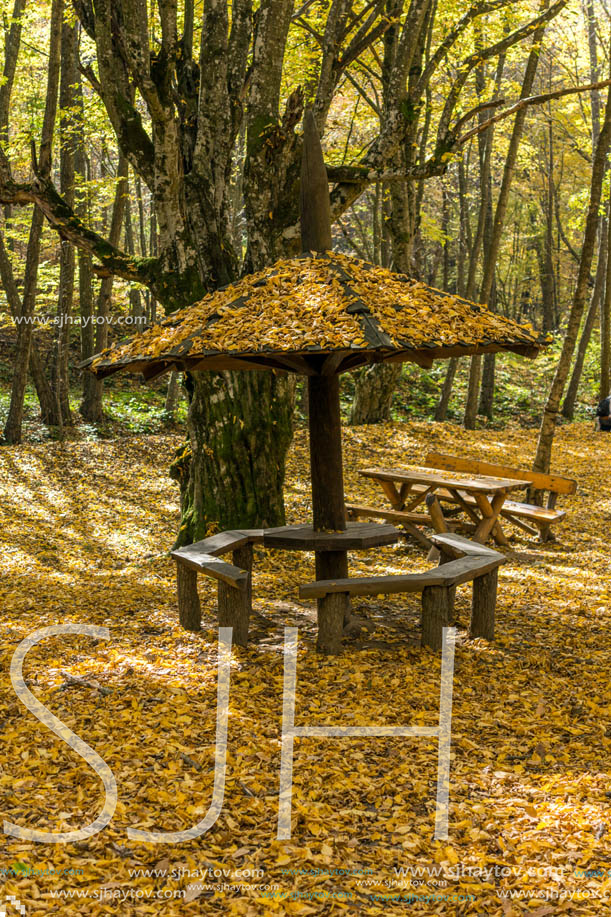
409, 521
234, 580
461, 561
536, 520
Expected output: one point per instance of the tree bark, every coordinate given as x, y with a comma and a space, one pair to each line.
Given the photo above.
605, 325
93, 391
14, 421
240, 426
374, 388
550, 415
568, 405
68, 132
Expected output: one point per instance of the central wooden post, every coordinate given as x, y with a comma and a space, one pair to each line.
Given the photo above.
329, 511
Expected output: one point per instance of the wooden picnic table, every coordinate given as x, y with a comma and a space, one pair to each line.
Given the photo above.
480, 497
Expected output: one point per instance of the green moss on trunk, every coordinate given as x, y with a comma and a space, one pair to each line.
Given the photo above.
232, 472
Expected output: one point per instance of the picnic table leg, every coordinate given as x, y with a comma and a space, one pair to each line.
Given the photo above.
394, 497
499, 535
490, 514
439, 523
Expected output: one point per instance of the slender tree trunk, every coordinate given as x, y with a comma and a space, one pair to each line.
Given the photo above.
568, 406
485, 228
171, 397
91, 406
43, 390
494, 232
550, 415
14, 422
135, 300
605, 325
68, 131
441, 410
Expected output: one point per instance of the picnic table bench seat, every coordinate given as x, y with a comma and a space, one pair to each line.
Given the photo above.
539, 515
408, 520
461, 561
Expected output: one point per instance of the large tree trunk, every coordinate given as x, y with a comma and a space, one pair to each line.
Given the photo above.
232, 470
550, 414
374, 387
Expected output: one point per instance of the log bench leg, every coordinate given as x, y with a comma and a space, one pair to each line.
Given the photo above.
189, 610
446, 558
436, 613
233, 611
235, 605
484, 604
331, 610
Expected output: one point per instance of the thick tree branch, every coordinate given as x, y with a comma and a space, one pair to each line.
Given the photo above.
166, 287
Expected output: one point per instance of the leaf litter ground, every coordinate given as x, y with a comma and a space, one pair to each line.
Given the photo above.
85, 531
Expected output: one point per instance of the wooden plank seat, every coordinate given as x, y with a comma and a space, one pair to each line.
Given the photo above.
461, 561
234, 580
539, 515
357, 536
536, 520
408, 520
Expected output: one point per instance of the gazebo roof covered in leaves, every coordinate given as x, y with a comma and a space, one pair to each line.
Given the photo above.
323, 312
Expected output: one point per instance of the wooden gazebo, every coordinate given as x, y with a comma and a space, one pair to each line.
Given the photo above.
318, 315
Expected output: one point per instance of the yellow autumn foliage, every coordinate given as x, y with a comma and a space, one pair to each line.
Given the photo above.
308, 304
85, 531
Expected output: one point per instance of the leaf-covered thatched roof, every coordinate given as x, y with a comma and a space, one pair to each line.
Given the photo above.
297, 312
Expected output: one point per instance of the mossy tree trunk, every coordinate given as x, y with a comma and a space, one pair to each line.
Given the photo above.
374, 387
232, 471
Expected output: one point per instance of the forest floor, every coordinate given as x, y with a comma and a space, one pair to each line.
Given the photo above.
85, 530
